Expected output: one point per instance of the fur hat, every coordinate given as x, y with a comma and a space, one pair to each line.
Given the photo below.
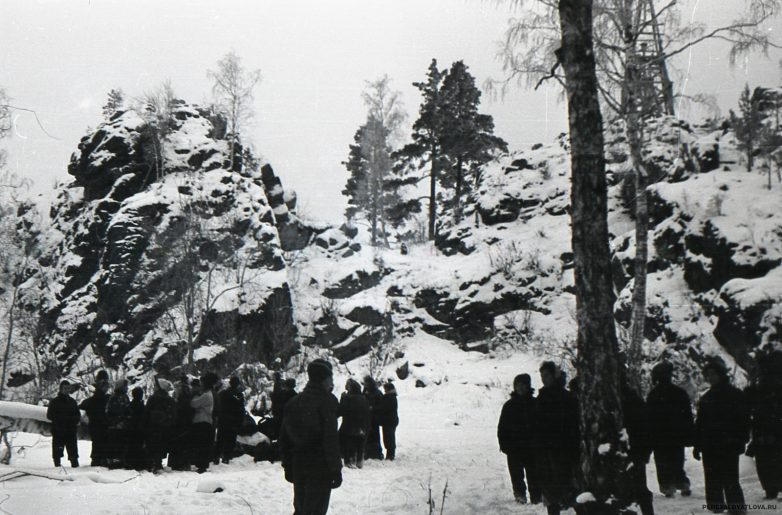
522, 379
716, 364
319, 369
551, 367
662, 372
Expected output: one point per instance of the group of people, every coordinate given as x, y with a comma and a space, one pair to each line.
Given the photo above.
312, 445
191, 423
540, 436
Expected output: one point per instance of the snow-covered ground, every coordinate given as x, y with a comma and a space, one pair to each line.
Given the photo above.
447, 432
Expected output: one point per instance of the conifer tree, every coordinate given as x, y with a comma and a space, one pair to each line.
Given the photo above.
114, 103
747, 126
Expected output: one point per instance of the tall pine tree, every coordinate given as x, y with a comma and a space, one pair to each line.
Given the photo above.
468, 136
747, 127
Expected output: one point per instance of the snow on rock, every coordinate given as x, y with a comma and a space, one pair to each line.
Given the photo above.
210, 486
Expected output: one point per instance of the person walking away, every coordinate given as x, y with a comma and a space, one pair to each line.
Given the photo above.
765, 401
118, 419
97, 423
230, 417
309, 442
180, 447
516, 435
389, 419
136, 455
671, 429
721, 432
284, 391
374, 396
65, 416
354, 410
636, 424
159, 417
202, 430
556, 438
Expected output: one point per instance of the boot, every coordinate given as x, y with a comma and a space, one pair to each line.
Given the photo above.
75, 464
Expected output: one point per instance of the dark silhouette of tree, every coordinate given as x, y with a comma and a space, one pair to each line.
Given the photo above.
747, 126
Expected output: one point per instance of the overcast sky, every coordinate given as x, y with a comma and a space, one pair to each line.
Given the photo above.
62, 57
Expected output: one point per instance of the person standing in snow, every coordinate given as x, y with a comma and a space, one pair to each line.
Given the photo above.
374, 396
721, 433
284, 391
354, 410
159, 417
65, 416
118, 419
309, 442
389, 419
136, 456
232, 410
516, 435
556, 438
636, 422
765, 400
97, 423
202, 430
180, 441
670, 430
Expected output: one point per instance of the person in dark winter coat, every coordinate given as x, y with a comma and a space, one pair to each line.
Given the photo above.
230, 417
671, 429
118, 419
202, 429
388, 418
721, 433
159, 417
136, 454
65, 416
180, 441
556, 438
284, 391
354, 410
516, 435
765, 402
309, 442
636, 421
97, 423
373, 394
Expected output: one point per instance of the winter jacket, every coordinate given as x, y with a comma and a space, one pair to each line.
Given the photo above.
231, 409
64, 413
137, 415
95, 408
557, 422
309, 441
160, 413
516, 429
765, 404
723, 420
279, 399
669, 417
118, 411
375, 398
388, 410
203, 405
354, 410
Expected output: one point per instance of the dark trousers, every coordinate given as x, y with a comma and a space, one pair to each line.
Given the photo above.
156, 448
353, 449
768, 461
389, 440
116, 446
721, 474
670, 469
555, 468
638, 489
64, 440
179, 457
311, 497
98, 452
374, 451
226, 442
518, 464
137, 457
203, 438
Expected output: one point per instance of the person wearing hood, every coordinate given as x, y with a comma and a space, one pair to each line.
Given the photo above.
159, 417
671, 429
97, 423
556, 438
516, 435
309, 442
136, 456
230, 417
374, 396
388, 419
118, 418
65, 416
354, 410
721, 434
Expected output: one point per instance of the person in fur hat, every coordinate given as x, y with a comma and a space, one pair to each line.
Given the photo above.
388, 418
516, 435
